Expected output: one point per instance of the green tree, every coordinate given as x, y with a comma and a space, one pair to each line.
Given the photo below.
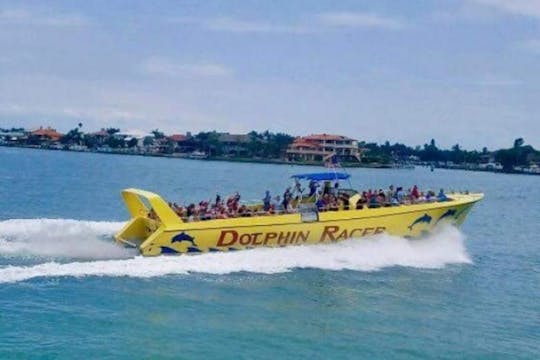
148, 141
90, 141
132, 142
209, 143
115, 142
518, 155
158, 134
73, 137
457, 156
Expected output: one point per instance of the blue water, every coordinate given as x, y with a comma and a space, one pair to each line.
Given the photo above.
67, 292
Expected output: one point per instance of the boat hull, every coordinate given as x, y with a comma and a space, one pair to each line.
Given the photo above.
169, 235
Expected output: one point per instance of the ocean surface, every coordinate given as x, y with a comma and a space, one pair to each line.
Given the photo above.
68, 292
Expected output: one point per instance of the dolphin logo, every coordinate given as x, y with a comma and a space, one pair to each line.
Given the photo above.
422, 219
168, 250
448, 213
183, 237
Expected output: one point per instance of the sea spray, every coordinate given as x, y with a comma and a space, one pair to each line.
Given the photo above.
60, 238
366, 254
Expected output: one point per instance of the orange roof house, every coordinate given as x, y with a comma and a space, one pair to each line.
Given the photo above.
178, 137
317, 147
47, 134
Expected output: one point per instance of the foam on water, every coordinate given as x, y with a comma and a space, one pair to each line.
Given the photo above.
60, 238
368, 254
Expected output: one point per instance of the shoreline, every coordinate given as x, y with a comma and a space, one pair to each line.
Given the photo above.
273, 161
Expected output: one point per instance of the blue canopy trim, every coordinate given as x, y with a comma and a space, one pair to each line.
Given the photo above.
322, 176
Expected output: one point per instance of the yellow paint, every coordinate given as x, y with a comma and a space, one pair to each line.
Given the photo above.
169, 234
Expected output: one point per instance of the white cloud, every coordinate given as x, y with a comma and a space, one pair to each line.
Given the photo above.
359, 19
28, 101
41, 18
311, 24
242, 26
163, 66
530, 8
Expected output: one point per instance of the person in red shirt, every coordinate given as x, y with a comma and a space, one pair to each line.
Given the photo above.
415, 194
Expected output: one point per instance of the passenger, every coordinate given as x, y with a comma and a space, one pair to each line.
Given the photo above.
364, 198
313, 185
335, 190
235, 204
320, 204
221, 214
290, 209
442, 196
381, 198
266, 201
243, 211
408, 197
190, 212
286, 198
344, 198
333, 206
327, 200
152, 214
390, 194
277, 205
179, 210
369, 195
326, 189
400, 195
298, 187
415, 193
373, 203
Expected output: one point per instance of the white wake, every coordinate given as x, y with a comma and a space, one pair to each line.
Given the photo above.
368, 254
60, 238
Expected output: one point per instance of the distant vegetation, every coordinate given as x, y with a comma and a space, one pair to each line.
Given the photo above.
518, 155
272, 146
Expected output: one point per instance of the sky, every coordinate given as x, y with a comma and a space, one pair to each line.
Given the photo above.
458, 71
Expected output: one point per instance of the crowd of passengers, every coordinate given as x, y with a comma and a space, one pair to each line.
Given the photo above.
327, 198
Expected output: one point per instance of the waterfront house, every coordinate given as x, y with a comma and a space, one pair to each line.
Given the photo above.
234, 144
183, 143
13, 136
319, 146
44, 136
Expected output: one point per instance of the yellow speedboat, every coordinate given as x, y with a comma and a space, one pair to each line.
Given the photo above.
156, 229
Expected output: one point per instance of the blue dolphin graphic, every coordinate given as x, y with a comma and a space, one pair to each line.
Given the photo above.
168, 250
183, 237
448, 213
422, 219
193, 249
